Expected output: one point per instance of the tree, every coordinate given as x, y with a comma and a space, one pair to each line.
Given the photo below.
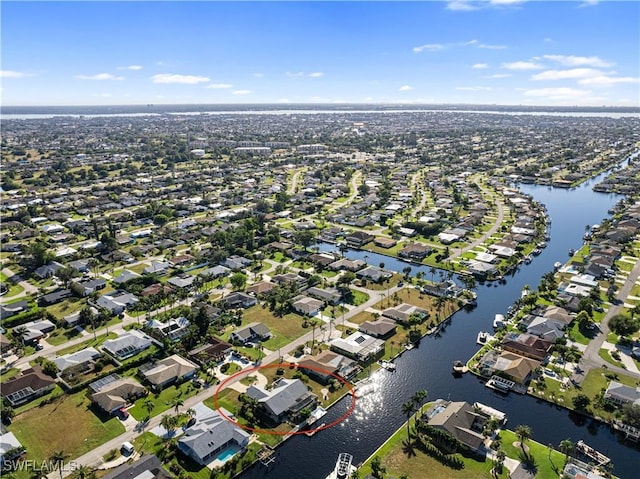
377, 469
523, 433
624, 325
567, 447
149, 405
169, 423
580, 402
238, 281
83, 472
19, 333
305, 238
176, 403
418, 398
407, 410
57, 459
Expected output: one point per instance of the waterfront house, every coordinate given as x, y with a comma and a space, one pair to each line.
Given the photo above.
358, 346
327, 363
620, 394
285, 400
462, 421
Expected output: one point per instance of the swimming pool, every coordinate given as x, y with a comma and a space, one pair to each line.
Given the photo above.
228, 452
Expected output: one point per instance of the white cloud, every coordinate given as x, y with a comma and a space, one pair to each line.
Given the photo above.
99, 76
295, 74
303, 74
175, 78
316, 74
505, 2
567, 74
589, 3
479, 66
283, 100
578, 61
405, 88
563, 93
499, 75
103, 95
131, 67
258, 75
242, 92
604, 80
14, 74
219, 86
430, 47
521, 66
462, 5
474, 88
492, 47
549, 40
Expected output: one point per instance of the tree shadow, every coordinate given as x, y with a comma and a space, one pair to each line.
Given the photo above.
407, 448
528, 462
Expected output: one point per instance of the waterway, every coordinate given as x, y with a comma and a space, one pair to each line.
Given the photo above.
378, 414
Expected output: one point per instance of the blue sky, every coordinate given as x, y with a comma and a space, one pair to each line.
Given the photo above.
458, 51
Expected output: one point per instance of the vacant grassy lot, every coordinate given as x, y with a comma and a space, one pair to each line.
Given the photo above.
68, 424
283, 330
163, 400
424, 301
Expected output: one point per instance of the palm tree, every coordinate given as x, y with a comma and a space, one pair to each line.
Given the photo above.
418, 398
38, 473
567, 447
523, 433
83, 472
168, 422
57, 459
19, 334
177, 402
407, 410
190, 412
149, 405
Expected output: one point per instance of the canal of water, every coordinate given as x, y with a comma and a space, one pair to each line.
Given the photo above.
378, 414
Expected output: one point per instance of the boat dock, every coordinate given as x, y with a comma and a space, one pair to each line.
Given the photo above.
499, 415
630, 433
500, 384
591, 453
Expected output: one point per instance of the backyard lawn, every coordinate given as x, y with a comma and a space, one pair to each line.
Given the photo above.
283, 330
68, 425
163, 400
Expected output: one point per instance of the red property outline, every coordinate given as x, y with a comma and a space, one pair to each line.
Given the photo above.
244, 372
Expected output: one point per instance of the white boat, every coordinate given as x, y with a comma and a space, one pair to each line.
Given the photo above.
344, 468
557, 265
408, 346
482, 338
498, 321
388, 365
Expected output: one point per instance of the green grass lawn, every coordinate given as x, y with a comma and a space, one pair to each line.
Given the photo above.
547, 463
9, 373
163, 400
68, 424
604, 354
61, 335
283, 330
356, 298
581, 335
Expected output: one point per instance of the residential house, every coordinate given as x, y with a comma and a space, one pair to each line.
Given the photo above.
36, 330
113, 393
415, 251
251, 333
54, 297
147, 467
358, 239
78, 361
173, 369
402, 312
380, 328
527, 345
329, 296
358, 346
462, 421
215, 350
373, 273
173, 328
48, 270
8, 310
157, 267
261, 288
285, 400
384, 242
507, 364
211, 434
125, 276
238, 300
306, 305
326, 365
127, 344
236, 262
184, 281
290, 279
347, 264
85, 288
218, 271
32, 383
621, 394
116, 302
10, 447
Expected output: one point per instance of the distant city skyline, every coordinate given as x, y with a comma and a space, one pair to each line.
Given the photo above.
510, 52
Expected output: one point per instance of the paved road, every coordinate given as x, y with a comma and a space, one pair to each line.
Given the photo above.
590, 358
26, 286
458, 251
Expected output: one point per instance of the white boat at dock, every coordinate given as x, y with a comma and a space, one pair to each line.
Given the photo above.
557, 265
483, 338
591, 453
344, 468
388, 365
499, 321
